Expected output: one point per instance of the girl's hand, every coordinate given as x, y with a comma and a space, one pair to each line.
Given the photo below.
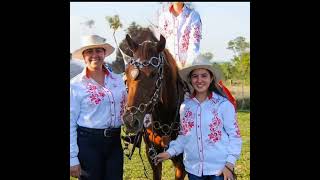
161, 157
75, 171
227, 173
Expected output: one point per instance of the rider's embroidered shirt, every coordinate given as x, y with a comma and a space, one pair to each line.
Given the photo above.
182, 33
209, 135
94, 106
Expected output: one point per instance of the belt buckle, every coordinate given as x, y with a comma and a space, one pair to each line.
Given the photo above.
107, 133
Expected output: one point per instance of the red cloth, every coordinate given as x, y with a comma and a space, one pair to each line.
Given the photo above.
229, 95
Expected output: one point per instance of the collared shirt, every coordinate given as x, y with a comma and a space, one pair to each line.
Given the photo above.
209, 135
95, 106
182, 33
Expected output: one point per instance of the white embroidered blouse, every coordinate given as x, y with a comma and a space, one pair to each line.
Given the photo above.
182, 33
94, 106
209, 135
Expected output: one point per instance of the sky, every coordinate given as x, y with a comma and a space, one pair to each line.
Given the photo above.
221, 22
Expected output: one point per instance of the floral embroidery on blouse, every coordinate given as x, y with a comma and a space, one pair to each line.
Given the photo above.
187, 122
197, 33
95, 94
166, 30
215, 134
185, 40
236, 126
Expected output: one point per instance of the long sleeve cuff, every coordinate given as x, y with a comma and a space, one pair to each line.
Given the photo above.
74, 161
172, 152
231, 159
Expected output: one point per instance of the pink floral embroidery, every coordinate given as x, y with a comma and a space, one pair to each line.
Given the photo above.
197, 33
166, 30
185, 40
215, 134
236, 126
122, 103
96, 94
187, 122
165, 26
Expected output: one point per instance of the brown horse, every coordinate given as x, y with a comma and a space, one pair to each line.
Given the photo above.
155, 92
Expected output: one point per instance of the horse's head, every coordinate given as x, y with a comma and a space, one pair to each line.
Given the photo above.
144, 74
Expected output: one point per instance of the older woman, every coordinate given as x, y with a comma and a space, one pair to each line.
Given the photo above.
97, 98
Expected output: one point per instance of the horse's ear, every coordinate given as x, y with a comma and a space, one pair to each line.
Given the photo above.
161, 44
132, 45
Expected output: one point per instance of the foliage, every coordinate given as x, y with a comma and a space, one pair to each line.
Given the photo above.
228, 70
133, 29
208, 55
239, 67
114, 23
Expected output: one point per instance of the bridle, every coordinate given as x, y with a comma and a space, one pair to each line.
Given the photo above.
142, 107
133, 110
149, 107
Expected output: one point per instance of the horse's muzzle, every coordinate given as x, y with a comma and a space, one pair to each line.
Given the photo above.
133, 123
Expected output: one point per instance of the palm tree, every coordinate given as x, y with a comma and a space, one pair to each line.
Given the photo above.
114, 23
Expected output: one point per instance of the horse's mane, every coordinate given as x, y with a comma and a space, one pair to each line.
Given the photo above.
172, 64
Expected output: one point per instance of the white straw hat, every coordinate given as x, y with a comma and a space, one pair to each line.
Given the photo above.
200, 62
92, 41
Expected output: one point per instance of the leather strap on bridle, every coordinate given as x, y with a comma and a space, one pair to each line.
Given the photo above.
137, 143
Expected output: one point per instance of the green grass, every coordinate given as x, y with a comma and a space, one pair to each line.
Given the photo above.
133, 169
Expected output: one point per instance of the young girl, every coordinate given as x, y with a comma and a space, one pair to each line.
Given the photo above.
209, 136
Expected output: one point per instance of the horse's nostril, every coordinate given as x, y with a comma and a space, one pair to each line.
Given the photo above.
136, 123
128, 118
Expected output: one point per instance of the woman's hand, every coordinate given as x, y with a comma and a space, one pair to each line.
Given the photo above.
75, 171
227, 174
161, 157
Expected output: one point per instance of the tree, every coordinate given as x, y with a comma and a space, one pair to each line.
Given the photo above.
208, 55
241, 50
133, 29
238, 45
227, 69
114, 23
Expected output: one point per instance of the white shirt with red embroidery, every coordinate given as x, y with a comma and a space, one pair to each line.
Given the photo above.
94, 106
182, 33
209, 135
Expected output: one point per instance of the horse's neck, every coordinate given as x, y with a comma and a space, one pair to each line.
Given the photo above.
172, 96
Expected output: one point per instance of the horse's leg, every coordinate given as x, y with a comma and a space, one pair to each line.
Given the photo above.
155, 169
178, 164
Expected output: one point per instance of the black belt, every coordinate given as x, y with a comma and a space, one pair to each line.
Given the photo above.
109, 132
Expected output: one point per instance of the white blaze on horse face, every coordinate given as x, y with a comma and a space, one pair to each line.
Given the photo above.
134, 73
147, 120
